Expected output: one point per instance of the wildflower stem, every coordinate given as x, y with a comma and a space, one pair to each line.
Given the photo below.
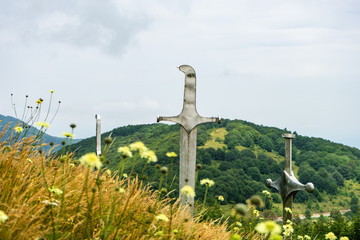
57, 110
89, 215
110, 218
22, 118
84, 188
171, 168
170, 220
134, 162
160, 185
132, 189
71, 138
196, 177
48, 111
121, 165
13, 105
142, 172
207, 187
51, 206
98, 184
60, 211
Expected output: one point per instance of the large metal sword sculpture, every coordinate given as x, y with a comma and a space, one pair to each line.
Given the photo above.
188, 120
287, 184
98, 134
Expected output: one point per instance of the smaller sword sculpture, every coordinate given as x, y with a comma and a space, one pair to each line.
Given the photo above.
287, 184
98, 134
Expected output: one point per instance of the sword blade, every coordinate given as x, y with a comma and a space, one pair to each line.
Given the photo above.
187, 163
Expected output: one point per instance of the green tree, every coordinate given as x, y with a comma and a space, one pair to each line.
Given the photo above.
254, 173
308, 214
338, 178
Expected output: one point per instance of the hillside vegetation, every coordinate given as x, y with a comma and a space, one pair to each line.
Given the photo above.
239, 156
131, 193
30, 130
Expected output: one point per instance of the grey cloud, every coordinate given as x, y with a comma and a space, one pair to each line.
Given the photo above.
99, 24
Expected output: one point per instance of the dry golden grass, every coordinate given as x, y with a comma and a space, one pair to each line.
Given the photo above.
92, 205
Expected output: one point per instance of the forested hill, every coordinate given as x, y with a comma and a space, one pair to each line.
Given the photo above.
11, 122
239, 156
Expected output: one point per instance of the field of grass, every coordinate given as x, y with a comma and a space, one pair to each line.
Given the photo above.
46, 196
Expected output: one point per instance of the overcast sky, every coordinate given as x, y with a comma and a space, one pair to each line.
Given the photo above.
287, 64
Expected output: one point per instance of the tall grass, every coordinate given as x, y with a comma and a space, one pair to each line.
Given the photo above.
52, 197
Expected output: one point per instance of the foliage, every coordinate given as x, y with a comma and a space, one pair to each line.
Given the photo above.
47, 196
249, 155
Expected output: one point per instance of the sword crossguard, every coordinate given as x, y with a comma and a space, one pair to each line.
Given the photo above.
288, 185
189, 117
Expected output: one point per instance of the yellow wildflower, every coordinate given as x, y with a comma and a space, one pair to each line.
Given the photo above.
239, 224
288, 210
266, 192
159, 233
121, 190
18, 129
171, 154
39, 101
268, 227
138, 146
125, 152
108, 172
344, 238
3, 217
52, 91
187, 191
288, 230
91, 160
300, 237
55, 190
42, 124
236, 237
307, 237
256, 213
330, 236
162, 217
125, 175
220, 198
207, 181
149, 155
68, 135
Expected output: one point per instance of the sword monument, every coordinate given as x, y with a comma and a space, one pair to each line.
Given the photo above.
98, 135
287, 184
188, 120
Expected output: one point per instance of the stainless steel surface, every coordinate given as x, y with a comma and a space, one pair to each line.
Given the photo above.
98, 134
287, 184
188, 120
